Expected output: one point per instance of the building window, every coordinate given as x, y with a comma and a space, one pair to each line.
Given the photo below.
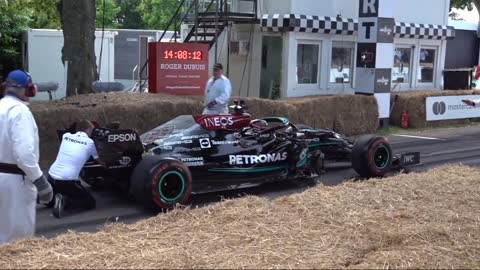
341, 68
307, 63
402, 71
427, 65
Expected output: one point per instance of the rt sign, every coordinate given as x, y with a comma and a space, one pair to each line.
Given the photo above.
368, 8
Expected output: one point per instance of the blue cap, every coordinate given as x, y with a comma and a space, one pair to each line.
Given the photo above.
18, 78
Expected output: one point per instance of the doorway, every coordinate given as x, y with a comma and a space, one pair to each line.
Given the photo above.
271, 71
427, 65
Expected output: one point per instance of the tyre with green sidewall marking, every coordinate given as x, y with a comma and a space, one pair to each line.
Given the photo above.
372, 156
160, 183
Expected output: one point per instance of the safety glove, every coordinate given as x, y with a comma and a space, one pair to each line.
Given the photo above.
45, 191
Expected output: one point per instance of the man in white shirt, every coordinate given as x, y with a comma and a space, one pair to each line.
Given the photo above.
217, 92
64, 174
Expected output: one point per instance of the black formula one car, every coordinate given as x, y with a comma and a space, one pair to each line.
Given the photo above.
194, 154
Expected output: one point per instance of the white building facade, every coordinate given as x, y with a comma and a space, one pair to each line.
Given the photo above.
309, 47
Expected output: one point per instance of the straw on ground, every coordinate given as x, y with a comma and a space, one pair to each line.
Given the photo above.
426, 220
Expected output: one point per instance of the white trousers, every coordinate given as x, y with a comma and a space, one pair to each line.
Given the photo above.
17, 208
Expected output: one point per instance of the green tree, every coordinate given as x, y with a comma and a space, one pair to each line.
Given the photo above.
111, 12
129, 16
464, 4
16, 16
14, 19
157, 13
44, 13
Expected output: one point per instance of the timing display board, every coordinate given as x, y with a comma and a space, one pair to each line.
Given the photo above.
177, 68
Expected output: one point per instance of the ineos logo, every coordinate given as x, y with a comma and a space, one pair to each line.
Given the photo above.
439, 108
219, 121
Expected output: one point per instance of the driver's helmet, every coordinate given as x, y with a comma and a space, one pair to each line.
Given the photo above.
259, 124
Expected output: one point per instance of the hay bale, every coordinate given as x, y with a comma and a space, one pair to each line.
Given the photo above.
259, 108
146, 111
136, 111
414, 102
342, 113
425, 220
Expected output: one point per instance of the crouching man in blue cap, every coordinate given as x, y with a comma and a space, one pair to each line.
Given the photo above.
21, 179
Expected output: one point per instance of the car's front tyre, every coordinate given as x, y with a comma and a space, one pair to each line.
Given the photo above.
372, 156
161, 183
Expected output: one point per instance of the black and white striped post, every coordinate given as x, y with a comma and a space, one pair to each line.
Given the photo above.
375, 52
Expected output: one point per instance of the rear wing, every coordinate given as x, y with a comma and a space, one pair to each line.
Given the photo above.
113, 144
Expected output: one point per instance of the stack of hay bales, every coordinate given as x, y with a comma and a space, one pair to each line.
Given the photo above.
351, 115
136, 111
415, 103
259, 108
347, 114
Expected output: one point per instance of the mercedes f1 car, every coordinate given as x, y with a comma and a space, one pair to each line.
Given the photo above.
194, 154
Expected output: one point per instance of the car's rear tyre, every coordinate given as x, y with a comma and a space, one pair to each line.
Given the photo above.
160, 183
372, 156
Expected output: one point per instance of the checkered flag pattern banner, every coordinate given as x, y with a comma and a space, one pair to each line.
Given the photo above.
424, 31
308, 24
346, 26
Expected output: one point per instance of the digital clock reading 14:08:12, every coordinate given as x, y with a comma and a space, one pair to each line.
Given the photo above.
183, 55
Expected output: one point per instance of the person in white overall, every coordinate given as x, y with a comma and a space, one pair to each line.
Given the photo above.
21, 179
217, 92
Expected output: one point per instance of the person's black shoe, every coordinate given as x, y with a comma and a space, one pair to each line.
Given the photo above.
59, 205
